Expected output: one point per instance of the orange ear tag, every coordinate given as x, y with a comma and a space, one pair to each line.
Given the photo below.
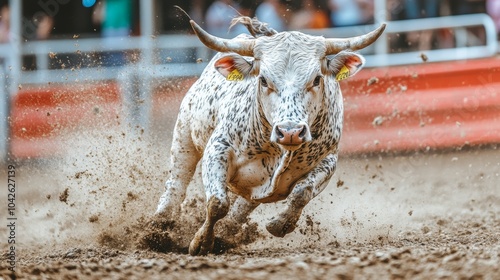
235, 75
343, 74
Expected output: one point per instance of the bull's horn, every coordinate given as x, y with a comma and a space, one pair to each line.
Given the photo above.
239, 46
334, 46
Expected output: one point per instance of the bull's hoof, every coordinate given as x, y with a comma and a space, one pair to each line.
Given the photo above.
169, 206
280, 227
167, 211
201, 245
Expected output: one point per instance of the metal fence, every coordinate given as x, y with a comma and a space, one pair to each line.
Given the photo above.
180, 55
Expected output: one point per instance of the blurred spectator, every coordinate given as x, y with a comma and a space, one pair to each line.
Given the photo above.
464, 7
41, 27
368, 10
173, 20
312, 15
115, 17
247, 7
44, 25
395, 9
4, 24
218, 19
350, 12
493, 9
273, 13
421, 9
475, 35
196, 10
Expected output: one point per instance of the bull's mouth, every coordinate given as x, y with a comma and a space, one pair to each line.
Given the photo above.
290, 148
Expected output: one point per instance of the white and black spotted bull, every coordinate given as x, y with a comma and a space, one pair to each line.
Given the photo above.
265, 118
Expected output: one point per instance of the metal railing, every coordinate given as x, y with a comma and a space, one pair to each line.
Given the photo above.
379, 54
160, 65
92, 47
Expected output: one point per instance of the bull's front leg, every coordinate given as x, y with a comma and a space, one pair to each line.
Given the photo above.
214, 174
305, 190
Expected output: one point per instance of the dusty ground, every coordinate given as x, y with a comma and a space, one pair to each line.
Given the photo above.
432, 215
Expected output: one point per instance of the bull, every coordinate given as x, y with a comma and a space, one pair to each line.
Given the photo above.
265, 119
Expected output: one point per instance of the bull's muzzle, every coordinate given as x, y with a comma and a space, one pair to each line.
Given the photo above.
291, 134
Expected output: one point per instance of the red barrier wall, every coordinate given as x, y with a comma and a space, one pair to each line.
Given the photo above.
431, 105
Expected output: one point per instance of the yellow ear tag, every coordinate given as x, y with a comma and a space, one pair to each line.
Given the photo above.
343, 74
235, 75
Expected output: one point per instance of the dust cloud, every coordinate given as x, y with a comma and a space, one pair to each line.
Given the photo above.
105, 183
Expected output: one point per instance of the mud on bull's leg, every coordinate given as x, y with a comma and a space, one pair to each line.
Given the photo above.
203, 241
303, 192
214, 175
171, 200
287, 220
241, 209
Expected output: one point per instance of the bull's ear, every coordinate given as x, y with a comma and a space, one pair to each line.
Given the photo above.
234, 67
345, 64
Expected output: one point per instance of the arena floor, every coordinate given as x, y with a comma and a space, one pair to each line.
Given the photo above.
433, 215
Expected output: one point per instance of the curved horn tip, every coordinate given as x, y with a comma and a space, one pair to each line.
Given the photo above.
382, 26
334, 46
193, 24
198, 30
378, 31
242, 47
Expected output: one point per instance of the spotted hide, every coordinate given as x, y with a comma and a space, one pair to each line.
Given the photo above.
265, 119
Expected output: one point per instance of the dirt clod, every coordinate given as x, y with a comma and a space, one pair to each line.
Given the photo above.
340, 183
93, 218
63, 197
371, 81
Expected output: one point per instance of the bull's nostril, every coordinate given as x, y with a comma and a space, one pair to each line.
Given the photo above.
302, 133
279, 133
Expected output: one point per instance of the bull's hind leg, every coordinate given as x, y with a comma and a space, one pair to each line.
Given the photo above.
240, 210
238, 214
183, 158
305, 190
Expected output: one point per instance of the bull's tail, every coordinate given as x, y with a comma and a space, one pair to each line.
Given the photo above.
254, 26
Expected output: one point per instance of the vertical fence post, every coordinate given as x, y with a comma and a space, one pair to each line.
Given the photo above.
136, 80
136, 100
16, 38
380, 15
4, 117
11, 76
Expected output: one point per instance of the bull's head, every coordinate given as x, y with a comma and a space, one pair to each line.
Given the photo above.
294, 73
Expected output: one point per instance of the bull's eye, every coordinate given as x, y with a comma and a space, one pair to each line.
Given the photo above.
317, 80
263, 81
